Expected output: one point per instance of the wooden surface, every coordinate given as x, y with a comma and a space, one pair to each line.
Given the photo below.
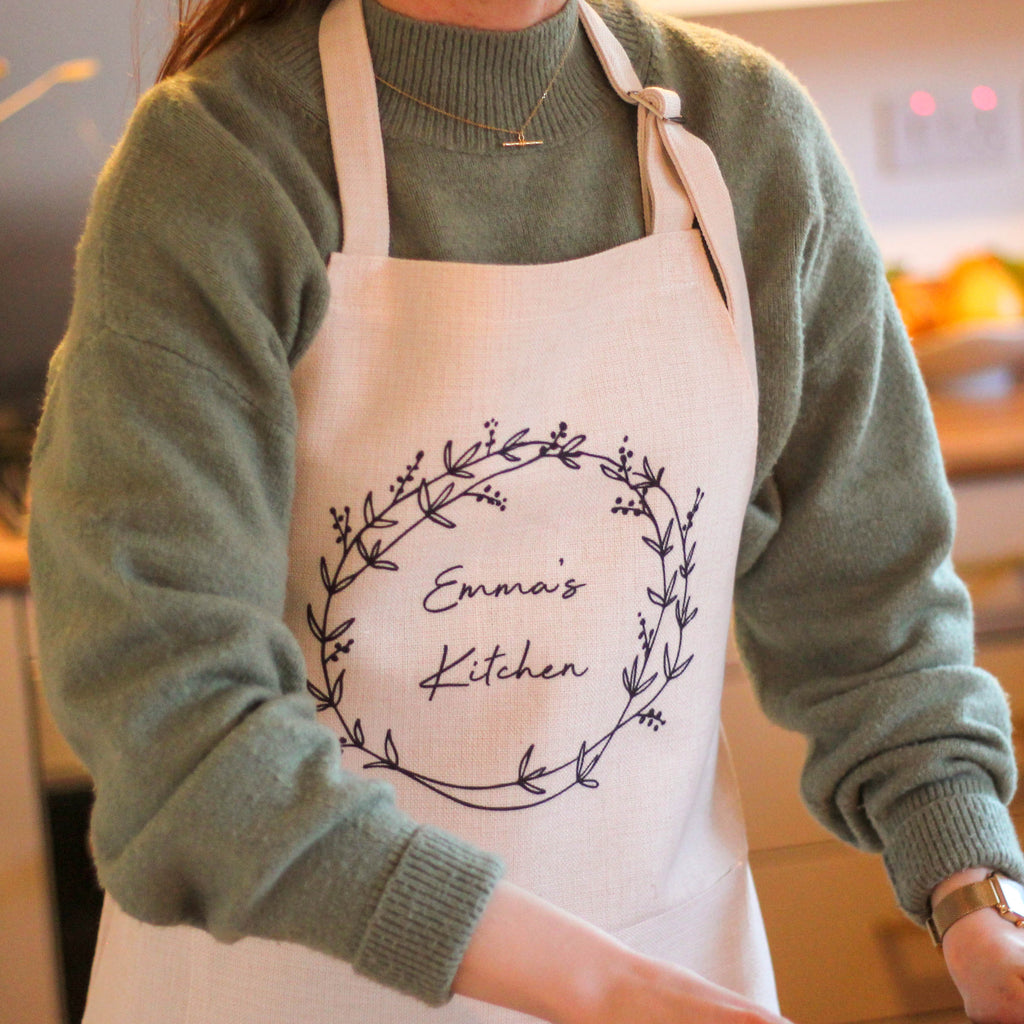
29, 974
981, 437
13, 561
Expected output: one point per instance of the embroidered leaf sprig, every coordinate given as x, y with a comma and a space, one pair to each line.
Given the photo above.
430, 506
526, 775
652, 719
372, 520
331, 699
632, 678
583, 769
508, 449
372, 556
457, 467
390, 759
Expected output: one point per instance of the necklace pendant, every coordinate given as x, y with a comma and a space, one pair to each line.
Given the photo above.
521, 141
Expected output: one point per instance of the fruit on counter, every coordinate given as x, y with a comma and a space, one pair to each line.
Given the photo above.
1015, 267
980, 288
918, 300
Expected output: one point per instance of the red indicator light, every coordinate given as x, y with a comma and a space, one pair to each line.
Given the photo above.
922, 103
984, 98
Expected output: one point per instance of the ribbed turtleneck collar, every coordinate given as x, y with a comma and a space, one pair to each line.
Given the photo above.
492, 77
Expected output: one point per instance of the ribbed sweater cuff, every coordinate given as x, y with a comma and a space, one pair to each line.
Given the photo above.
945, 828
423, 922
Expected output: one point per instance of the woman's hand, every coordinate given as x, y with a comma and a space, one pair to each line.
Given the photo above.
654, 992
532, 957
985, 958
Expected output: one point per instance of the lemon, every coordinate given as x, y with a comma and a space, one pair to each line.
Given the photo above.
981, 288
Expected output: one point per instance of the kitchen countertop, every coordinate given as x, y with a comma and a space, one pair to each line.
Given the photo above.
981, 437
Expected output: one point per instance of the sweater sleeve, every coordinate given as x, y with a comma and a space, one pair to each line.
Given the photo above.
162, 483
854, 626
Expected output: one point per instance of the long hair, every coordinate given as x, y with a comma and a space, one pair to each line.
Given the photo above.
204, 24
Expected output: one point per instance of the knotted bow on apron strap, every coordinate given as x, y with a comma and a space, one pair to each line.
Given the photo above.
683, 158
658, 106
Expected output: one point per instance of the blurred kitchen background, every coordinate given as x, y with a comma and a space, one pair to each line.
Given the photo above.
925, 99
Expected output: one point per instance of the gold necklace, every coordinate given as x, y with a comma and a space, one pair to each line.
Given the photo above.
519, 133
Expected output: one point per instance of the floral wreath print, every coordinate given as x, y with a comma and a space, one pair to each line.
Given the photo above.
418, 499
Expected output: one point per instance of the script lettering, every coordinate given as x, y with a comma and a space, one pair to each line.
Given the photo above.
494, 666
449, 591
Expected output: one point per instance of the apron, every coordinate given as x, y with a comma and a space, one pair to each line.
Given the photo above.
518, 506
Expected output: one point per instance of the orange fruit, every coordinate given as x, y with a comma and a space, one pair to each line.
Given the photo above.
917, 299
980, 288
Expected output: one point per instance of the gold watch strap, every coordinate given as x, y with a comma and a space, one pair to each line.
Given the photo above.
966, 900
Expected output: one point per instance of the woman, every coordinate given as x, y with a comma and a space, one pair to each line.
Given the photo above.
455, 432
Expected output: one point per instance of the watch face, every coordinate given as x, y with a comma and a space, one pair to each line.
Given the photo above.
1013, 896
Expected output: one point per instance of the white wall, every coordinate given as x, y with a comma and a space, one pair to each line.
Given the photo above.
856, 57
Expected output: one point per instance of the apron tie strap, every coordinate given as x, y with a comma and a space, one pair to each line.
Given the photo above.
663, 103
672, 210
667, 206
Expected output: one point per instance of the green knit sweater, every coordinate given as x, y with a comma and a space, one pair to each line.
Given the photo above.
163, 475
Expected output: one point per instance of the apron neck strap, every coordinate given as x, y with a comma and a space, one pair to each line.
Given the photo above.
358, 146
666, 206
356, 141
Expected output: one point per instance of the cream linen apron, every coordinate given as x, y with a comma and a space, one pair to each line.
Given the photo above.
518, 508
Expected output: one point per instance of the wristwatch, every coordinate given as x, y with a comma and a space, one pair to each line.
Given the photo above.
996, 891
